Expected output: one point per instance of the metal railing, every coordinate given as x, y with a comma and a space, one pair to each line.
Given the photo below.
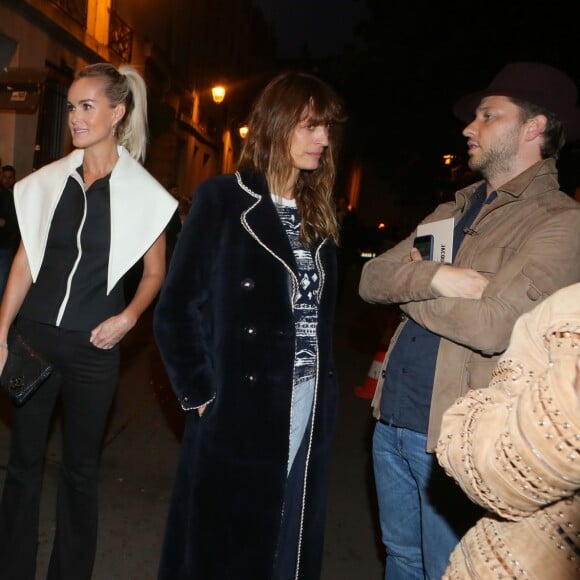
76, 9
120, 37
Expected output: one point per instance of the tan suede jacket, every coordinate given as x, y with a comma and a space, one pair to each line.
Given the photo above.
526, 242
514, 448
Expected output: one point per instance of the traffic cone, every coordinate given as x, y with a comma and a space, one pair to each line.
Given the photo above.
367, 390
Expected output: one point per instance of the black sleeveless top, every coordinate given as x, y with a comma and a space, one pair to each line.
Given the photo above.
71, 288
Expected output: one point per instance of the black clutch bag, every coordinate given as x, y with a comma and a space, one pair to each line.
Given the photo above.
25, 369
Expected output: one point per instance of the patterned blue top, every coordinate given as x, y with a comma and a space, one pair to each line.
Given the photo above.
306, 306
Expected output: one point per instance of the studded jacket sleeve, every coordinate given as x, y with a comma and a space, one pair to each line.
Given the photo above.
179, 314
515, 447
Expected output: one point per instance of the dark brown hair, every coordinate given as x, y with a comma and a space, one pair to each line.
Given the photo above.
554, 136
288, 99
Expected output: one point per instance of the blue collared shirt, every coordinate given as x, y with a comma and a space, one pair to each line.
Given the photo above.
408, 385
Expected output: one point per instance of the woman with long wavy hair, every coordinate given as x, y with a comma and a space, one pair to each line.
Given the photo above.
244, 325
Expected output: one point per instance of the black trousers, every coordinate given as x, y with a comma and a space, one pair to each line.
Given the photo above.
86, 379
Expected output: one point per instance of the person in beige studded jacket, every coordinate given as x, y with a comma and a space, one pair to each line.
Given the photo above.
514, 448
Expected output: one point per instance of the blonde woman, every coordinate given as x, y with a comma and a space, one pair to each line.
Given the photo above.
85, 220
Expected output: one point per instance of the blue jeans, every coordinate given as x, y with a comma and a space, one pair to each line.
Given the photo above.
300, 411
423, 513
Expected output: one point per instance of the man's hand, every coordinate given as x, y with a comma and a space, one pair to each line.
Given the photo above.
414, 256
451, 281
454, 282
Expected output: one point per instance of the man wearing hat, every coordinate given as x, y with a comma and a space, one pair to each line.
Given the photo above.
515, 241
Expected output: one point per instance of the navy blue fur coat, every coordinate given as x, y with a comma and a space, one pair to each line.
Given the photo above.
225, 329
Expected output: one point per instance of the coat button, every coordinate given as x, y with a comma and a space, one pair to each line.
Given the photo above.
247, 284
250, 378
331, 373
250, 330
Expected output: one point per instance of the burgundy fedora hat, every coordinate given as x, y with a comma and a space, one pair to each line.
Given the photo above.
536, 83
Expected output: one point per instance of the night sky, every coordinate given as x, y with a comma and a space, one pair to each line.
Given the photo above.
404, 64
401, 66
324, 27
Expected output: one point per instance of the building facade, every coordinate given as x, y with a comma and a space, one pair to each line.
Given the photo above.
181, 47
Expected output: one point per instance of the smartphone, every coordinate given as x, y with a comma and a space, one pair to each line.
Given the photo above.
425, 246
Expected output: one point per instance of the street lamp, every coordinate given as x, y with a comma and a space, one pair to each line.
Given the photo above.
218, 93
243, 131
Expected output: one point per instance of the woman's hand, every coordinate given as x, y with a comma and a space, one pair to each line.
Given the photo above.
111, 331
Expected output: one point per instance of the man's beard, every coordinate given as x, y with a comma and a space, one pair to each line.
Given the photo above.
498, 159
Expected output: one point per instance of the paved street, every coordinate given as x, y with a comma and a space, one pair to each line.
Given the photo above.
142, 444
